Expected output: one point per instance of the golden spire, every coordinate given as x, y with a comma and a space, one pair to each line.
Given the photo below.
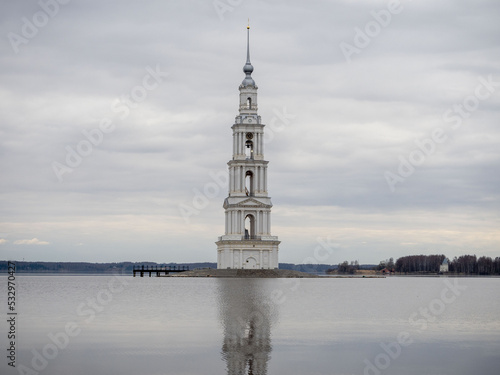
248, 68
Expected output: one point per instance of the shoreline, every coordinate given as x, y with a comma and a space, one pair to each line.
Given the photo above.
263, 274
234, 273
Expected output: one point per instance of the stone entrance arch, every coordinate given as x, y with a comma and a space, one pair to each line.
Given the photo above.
250, 263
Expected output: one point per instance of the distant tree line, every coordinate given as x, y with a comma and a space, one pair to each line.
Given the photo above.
311, 268
388, 264
419, 263
126, 267
469, 264
464, 264
346, 268
92, 268
426, 264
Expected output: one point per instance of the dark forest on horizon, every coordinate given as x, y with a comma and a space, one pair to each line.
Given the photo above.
411, 264
428, 264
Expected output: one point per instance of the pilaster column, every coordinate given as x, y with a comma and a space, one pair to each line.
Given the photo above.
261, 180
237, 179
237, 143
233, 228
242, 222
231, 179
257, 180
265, 179
242, 179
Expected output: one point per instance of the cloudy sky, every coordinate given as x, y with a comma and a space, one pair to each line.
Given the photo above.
115, 129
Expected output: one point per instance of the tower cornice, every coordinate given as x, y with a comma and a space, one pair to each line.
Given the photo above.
247, 162
247, 126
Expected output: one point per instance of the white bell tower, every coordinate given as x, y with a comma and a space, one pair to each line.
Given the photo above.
247, 242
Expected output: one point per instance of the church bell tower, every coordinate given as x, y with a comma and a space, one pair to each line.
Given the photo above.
247, 242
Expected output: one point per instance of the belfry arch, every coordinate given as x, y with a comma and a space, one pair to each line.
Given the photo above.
249, 227
249, 149
249, 183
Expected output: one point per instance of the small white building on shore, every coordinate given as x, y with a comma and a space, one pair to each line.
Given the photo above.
444, 267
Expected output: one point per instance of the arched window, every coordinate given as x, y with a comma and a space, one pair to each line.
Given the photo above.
249, 103
249, 227
249, 149
249, 183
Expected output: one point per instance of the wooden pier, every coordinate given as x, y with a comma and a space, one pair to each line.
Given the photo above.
158, 270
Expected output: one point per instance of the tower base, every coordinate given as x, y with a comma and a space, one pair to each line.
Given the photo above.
247, 254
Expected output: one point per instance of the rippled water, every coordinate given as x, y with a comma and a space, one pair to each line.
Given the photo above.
124, 325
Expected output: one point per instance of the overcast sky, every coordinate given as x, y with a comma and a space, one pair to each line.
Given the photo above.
382, 126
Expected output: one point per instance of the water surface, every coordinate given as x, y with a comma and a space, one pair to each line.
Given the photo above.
124, 325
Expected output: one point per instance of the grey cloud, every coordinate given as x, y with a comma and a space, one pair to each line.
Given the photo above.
353, 121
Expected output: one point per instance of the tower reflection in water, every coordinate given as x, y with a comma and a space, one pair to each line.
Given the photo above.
247, 312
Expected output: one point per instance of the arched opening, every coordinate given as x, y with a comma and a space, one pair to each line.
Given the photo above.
250, 263
249, 227
249, 149
249, 103
249, 184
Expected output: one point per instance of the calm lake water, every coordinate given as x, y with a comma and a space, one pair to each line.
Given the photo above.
124, 325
